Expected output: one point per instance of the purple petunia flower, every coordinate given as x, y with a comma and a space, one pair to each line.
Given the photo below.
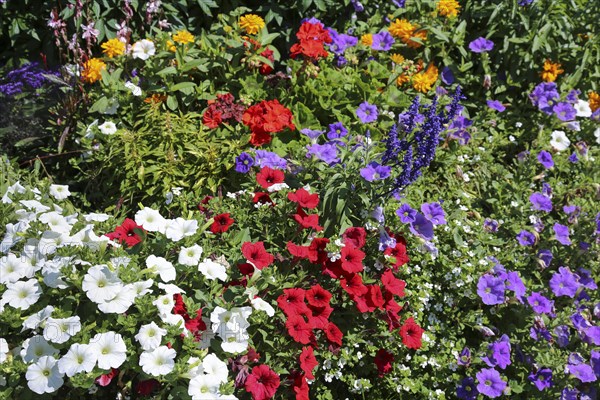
542, 379
592, 335
434, 213
498, 353
325, 152
481, 45
367, 112
540, 304
467, 390
340, 42
564, 111
243, 163
526, 238
375, 172
580, 323
496, 105
422, 227
544, 96
336, 131
491, 289
539, 202
385, 240
269, 159
447, 76
569, 394
464, 358
490, 383
382, 41
583, 372
515, 283
595, 361
545, 257
585, 279
545, 159
311, 133
562, 234
406, 213
564, 283
490, 225
562, 335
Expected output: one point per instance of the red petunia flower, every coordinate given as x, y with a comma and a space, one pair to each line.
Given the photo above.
297, 251
267, 177
307, 221
333, 333
106, 379
320, 316
333, 269
204, 202
317, 296
398, 252
304, 198
256, 254
353, 284
126, 233
301, 388
179, 307
393, 284
362, 304
195, 325
355, 236
292, 301
411, 334
221, 223
316, 250
308, 361
384, 360
299, 329
262, 382
352, 259
246, 269
374, 297
145, 388
262, 198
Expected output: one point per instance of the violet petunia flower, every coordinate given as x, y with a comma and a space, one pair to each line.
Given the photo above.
243, 163
406, 213
464, 358
564, 111
545, 159
562, 333
564, 283
526, 238
434, 213
545, 257
447, 76
481, 45
375, 172
490, 225
542, 379
539, 202
382, 41
540, 304
325, 152
490, 383
422, 227
496, 105
467, 389
515, 283
311, 133
498, 353
269, 159
583, 372
336, 131
491, 290
367, 112
562, 234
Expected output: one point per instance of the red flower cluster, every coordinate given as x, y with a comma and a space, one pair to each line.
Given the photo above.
262, 382
310, 201
195, 325
267, 117
125, 233
311, 38
221, 223
224, 109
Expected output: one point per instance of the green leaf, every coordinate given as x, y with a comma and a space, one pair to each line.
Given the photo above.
99, 106
182, 86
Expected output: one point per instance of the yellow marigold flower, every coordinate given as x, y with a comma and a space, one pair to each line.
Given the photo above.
413, 43
113, 47
397, 58
183, 37
402, 29
594, 100
367, 39
448, 8
551, 71
171, 46
402, 79
252, 23
92, 70
423, 81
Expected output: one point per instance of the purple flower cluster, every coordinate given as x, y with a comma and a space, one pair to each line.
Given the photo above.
491, 287
544, 96
421, 223
28, 76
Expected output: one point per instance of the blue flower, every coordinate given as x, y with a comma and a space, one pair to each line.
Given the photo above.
336, 131
375, 172
367, 112
243, 163
481, 45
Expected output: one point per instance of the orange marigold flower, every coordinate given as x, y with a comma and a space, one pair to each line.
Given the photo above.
448, 8
402, 79
183, 37
155, 98
422, 35
367, 39
397, 58
551, 71
594, 100
171, 46
92, 70
402, 29
423, 81
252, 23
113, 47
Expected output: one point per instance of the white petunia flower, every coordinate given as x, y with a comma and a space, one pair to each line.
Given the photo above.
560, 141
213, 366
86, 237
142, 287
150, 220
13, 268
204, 387
213, 270
143, 49
161, 266
59, 330
597, 135
150, 336
160, 361
110, 349
260, 304
56, 222
59, 192
179, 228
36, 347
583, 109
169, 288
121, 302
3, 350
79, 358
100, 284
44, 376
34, 321
135, 89
277, 187
108, 128
94, 217
22, 294
164, 304
36, 205
190, 255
